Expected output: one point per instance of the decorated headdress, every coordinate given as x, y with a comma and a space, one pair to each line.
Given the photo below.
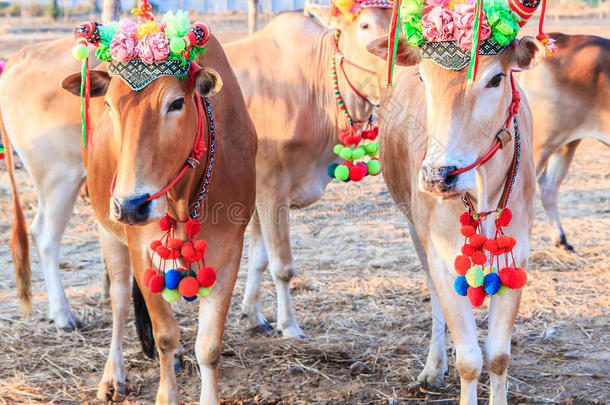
351, 8
139, 52
453, 33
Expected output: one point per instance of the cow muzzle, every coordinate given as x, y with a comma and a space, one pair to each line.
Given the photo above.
439, 181
131, 211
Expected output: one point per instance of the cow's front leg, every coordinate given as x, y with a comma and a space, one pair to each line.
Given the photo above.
275, 229
113, 386
462, 326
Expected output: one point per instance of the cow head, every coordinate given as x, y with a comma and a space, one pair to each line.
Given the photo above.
153, 134
368, 25
462, 119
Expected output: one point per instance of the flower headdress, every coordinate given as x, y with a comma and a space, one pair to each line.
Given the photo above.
453, 33
351, 8
139, 52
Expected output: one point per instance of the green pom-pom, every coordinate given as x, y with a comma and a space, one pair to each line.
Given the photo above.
204, 292
475, 276
503, 290
176, 45
341, 173
372, 148
346, 154
80, 51
374, 167
337, 149
358, 153
171, 295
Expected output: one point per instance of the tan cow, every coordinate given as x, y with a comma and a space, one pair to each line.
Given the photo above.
140, 141
433, 109
284, 71
570, 99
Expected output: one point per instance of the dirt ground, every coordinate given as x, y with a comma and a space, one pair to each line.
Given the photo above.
359, 295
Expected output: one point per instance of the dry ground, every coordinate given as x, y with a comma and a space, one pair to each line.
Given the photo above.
359, 295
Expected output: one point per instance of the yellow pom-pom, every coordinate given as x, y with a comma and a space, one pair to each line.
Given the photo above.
490, 269
204, 292
475, 277
344, 5
80, 51
503, 290
171, 295
148, 28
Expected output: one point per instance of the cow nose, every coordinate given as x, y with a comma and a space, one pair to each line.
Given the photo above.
439, 179
131, 211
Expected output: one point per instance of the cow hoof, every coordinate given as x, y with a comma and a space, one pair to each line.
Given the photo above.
112, 391
67, 321
562, 243
428, 381
178, 365
264, 329
293, 332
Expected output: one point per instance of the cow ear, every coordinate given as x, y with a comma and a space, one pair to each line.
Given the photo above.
207, 82
98, 82
526, 54
406, 55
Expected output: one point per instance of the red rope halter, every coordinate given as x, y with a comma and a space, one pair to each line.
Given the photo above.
337, 53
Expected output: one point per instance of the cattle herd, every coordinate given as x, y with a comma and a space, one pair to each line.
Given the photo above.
275, 124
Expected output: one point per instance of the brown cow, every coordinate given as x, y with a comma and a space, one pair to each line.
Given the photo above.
284, 71
147, 136
570, 99
432, 108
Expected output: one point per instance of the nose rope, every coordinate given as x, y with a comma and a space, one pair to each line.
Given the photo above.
199, 146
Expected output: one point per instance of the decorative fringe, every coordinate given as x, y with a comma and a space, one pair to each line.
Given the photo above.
476, 41
85, 90
393, 41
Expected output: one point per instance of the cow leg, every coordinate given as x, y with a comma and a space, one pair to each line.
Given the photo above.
549, 181
462, 326
434, 371
502, 314
258, 262
113, 386
212, 315
276, 235
165, 327
57, 191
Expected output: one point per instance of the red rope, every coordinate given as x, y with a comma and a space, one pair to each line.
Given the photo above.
338, 52
392, 41
87, 96
351, 86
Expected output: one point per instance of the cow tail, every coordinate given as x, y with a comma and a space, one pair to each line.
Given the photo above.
143, 323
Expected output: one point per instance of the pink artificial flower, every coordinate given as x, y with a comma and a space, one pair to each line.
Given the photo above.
123, 47
130, 28
437, 24
153, 48
438, 3
463, 19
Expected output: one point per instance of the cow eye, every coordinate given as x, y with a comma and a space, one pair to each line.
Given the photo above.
495, 81
364, 26
176, 105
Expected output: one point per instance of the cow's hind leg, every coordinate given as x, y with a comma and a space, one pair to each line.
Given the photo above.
258, 260
113, 386
433, 374
549, 181
57, 190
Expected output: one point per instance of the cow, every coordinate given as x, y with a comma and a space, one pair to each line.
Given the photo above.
570, 99
285, 73
141, 139
431, 124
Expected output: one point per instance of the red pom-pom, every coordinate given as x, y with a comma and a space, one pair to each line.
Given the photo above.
147, 275
348, 164
479, 258
467, 230
174, 243
491, 245
505, 217
163, 252
154, 245
509, 277
197, 256
342, 136
356, 173
476, 296
477, 240
521, 278
206, 277
192, 227
188, 287
174, 254
506, 243
201, 245
467, 219
467, 249
166, 223
187, 251
461, 264
157, 283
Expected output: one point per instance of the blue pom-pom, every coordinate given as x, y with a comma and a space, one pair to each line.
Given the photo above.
331, 170
191, 299
172, 279
461, 286
492, 283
